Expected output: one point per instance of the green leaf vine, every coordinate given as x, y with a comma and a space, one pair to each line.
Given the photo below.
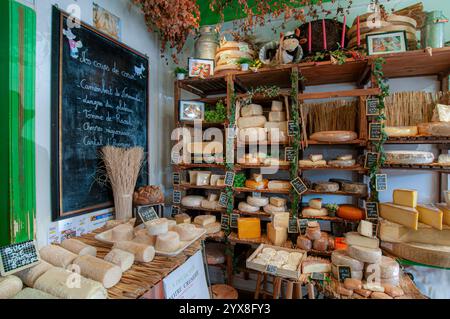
296, 140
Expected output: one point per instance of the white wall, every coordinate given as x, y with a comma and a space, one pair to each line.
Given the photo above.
135, 35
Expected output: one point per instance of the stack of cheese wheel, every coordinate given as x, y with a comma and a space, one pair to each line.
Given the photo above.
212, 202
372, 275
392, 23
229, 53
209, 223
256, 182
251, 124
315, 239
277, 125
256, 158
314, 160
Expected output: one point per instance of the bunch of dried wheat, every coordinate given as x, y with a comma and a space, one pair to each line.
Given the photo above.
123, 166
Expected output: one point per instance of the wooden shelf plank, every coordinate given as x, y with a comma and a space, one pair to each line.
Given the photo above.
346, 93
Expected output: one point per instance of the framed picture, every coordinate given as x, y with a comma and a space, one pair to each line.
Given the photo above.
106, 22
385, 43
200, 68
192, 111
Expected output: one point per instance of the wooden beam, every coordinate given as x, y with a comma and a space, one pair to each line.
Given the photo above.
346, 93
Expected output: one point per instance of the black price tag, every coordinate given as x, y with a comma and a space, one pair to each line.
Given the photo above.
176, 197
299, 186
229, 179
289, 154
302, 226
176, 179
271, 269
375, 130
16, 257
293, 226
372, 107
372, 210
223, 200
381, 182
344, 272
318, 276
225, 222
147, 213
371, 159
292, 128
175, 211
234, 220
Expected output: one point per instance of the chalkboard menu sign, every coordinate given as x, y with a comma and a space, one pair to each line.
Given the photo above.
176, 197
344, 272
176, 178
147, 213
292, 128
372, 210
381, 182
290, 154
299, 186
372, 107
371, 159
302, 226
99, 97
175, 211
223, 199
293, 226
234, 220
229, 178
225, 221
375, 131
16, 257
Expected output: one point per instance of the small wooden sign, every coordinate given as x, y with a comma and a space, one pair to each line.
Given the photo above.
371, 159
234, 220
176, 179
372, 107
290, 154
225, 222
176, 197
318, 276
302, 226
16, 257
271, 269
344, 272
229, 179
147, 213
299, 186
223, 200
292, 128
175, 211
375, 131
293, 226
372, 210
381, 182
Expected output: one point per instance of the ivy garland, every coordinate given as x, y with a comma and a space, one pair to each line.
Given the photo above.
296, 139
381, 82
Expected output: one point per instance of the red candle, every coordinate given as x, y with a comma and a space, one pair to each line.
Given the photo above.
324, 31
310, 38
358, 28
343, 33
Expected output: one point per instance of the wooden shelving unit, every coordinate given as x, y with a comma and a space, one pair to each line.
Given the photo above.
358, 72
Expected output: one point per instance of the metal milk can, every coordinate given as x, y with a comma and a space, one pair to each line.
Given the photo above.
207, 44
433, 30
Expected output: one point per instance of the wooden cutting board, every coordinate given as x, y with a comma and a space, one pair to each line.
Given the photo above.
432, 255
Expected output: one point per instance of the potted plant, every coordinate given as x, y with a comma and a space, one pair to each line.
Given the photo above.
244, 63
180, 73
255, 65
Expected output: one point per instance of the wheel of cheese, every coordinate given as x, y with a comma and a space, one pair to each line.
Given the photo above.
341, 258
277, 116
388, 268
312, 212
277, 136
315, 203
277, 106
282, 126
157, 226
57, 256
279, 185
356, 274
321, 244
122, 232
356, 188
168, 242
187, 232
409, 157
256, 185
270, 209
142, 253
213, 228
252, 135
30, 275
278, 201
368, 255
251, 110
342, 163
210, 204
183, 218
350, 212
313, 233
142, 237
401, 131
78, 247
309, 163
10, 286
121, 258
215, 254
326, 187
334, 136
304, 243
204, 220
257, 201
247, 208
224, 292
251, 121
192, 201
99, 270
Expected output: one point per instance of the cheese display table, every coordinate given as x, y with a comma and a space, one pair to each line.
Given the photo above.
141, 277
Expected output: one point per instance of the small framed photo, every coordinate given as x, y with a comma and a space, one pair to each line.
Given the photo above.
385, 43
200, 68
192, 111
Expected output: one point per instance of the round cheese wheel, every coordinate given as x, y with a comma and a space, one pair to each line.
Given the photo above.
401, 131
157, 226
247, 208
409, 157
315, 203
204, 220
334, 136
279, 185
192, 201
213, 228
312, 212
313, 233
341, 258
269, 208
257, 201
252, 135
342, 163
434, 129
121, 258
256, 185
368, 255
251, 121
304, 243
321, 244
142, 237
168, 242
326, 187
388, 268
224, 292
187, 232
215, 254
251, 110
350, 212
